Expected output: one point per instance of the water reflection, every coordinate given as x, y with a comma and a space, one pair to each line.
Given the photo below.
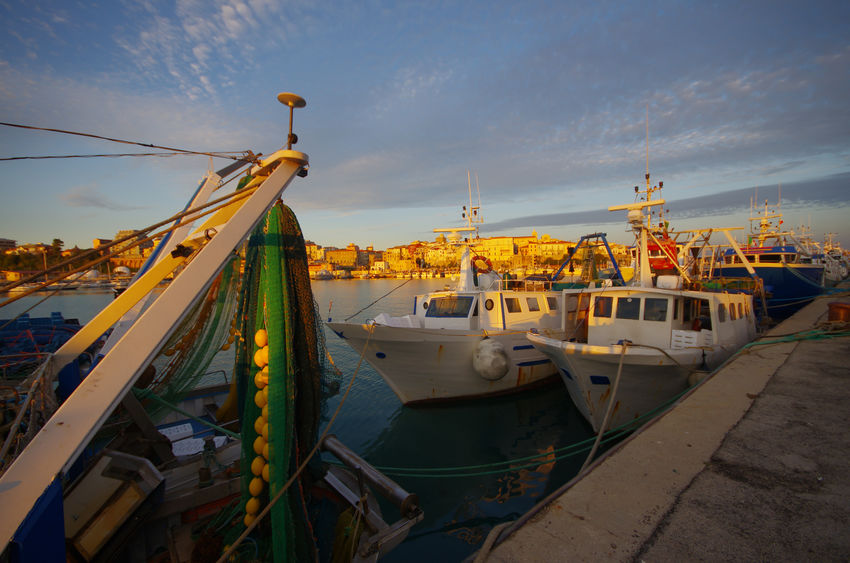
460, 508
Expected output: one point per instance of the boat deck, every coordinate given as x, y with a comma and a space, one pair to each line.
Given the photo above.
752, 465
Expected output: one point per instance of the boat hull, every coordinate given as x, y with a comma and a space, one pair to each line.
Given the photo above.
648, 378
436, 365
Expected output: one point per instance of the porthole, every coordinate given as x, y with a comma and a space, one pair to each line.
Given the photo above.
488, 304
425, 305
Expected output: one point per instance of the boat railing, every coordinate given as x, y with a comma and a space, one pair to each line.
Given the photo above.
525, 285
550, 285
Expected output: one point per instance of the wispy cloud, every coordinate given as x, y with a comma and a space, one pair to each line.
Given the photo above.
90, 196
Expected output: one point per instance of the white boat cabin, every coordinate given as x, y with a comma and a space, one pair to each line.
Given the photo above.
657, 317
481, 310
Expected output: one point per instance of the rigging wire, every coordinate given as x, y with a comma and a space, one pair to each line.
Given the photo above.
123, 141
241, 194
376, 300
161, 154
233, 196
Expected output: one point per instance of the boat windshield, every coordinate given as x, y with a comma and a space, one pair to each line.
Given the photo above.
454, 306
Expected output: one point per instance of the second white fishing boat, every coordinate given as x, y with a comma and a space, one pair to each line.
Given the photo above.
629, 349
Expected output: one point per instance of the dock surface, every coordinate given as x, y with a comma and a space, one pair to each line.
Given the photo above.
753, 465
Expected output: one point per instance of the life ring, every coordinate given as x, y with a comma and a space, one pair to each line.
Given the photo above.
482, 259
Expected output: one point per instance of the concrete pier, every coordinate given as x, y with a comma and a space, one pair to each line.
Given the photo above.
753, 465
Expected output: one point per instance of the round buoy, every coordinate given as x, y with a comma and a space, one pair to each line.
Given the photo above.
260, 380
252, 506
249, 519
265, 412
261, 338
266, 473
258, 424
257, 466
256, 486
260, 445
260, 398
261, 357
265, 432
266, 451
489, 360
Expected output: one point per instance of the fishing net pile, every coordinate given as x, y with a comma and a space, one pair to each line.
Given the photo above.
281, 376
277, 399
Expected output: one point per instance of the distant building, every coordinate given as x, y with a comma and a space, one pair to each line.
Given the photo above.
7, 244
314, 251
11, 275
346, 257
98, 242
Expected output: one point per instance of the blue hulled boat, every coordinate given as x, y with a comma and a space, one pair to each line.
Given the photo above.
791, 280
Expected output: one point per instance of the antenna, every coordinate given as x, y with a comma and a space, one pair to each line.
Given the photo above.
293, 101
647, 148
469, 188
478, 189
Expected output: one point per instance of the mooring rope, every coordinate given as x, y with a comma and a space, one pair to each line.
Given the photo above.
376, 300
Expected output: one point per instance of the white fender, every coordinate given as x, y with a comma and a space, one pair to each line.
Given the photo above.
490, 360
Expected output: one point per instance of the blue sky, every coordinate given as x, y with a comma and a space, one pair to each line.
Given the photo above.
545, 101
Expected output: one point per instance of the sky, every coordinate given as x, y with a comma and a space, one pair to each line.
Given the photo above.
546, 104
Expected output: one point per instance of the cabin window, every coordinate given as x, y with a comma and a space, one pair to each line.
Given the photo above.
475, 309
512, 305
732, 316
553, 303
740, 310
696, 312
455, 306
655, 309
488, 304
770, 258
721, 312
533, 304
425, 305
628, 308
675, 309
602, 307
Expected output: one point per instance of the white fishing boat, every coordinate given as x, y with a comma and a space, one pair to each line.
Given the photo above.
629, 349
461, 343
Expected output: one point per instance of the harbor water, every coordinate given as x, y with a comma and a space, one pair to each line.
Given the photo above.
471, 440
